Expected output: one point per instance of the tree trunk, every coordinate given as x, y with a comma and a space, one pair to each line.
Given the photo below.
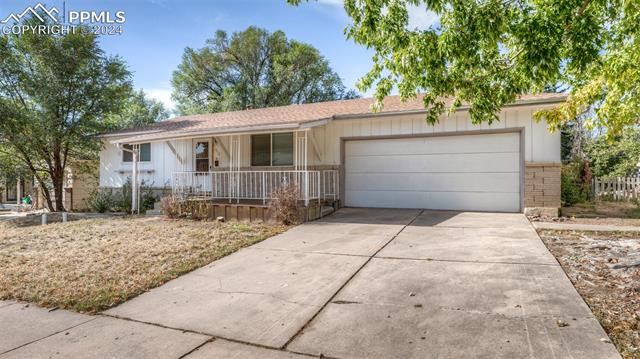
46, 194
57, 177
57, 190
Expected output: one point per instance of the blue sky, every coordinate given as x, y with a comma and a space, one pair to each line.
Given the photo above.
157, 31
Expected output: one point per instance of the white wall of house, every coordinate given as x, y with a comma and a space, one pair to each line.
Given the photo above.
539, 145
157, 172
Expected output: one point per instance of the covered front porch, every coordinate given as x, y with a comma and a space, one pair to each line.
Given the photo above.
242, 167
256, 185
249, 167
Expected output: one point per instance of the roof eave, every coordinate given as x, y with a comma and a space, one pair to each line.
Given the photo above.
543, 101
226, 131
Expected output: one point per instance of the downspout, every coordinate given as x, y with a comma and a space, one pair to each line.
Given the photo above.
135, 208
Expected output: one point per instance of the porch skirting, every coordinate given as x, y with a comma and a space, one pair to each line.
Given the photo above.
246, 212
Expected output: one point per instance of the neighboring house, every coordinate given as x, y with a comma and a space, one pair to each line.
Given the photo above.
81, 178
341, 150
13, 190
79, 182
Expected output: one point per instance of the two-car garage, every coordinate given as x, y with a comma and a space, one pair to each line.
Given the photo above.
474, 171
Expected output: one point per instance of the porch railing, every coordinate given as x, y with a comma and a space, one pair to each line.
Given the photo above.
254, 185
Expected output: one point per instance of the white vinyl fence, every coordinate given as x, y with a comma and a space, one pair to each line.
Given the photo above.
618, 189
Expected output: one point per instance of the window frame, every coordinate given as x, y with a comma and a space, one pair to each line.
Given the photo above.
130, 147
293, 149
209, 153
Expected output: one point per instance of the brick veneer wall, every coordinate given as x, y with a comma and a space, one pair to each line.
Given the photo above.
542, 185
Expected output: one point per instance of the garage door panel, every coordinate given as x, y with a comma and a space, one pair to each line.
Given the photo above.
477, 162
477, 201
458, 172
464, 182
490, 143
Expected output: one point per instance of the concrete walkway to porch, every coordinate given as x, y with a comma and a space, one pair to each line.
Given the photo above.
361, 283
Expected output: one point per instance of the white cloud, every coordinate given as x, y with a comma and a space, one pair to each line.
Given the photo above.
162, 95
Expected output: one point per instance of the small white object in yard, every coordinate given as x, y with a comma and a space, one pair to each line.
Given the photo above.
64, 217
44, 219
605, 340
220, 219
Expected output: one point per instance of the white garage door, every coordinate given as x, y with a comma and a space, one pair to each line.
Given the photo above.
464, 172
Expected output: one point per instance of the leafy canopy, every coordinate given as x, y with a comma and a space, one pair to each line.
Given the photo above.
487, 52
617, 158
253, 69
137, 110
55, 93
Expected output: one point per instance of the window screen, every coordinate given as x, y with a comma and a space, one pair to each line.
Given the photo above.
261, 150
282, 149
145, 153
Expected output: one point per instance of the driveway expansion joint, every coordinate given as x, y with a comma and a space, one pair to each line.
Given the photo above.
313, 252
301, 330
465, 261
211, 337
50, 335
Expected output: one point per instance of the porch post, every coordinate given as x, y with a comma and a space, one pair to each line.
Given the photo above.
229, 184
306, 169
134, 182
18, 190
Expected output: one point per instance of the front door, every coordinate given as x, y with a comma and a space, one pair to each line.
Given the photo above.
202, 152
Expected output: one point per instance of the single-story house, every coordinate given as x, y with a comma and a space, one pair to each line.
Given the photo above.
342, 151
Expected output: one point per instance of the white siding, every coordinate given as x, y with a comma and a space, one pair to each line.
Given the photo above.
539, 144
157, 172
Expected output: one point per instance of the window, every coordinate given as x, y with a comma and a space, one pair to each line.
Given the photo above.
261, 150
202, 156
282, 149
272, 149
145, 153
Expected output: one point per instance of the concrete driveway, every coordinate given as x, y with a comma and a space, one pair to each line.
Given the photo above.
367, 283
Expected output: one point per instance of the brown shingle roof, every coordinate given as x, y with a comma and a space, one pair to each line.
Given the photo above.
292, 115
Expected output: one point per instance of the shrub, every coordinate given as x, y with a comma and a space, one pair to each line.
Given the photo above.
100, 201
575, 183
123, 199
147, 198
170, 206
285, 205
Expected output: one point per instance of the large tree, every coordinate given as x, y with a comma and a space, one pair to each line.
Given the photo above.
55, 92
253, 69
487, 52
137, 110
620, 157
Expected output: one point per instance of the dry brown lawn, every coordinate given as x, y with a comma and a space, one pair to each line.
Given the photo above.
92, 264
605, 269
620, 213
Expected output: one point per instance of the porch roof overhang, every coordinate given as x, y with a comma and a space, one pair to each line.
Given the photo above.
160, 136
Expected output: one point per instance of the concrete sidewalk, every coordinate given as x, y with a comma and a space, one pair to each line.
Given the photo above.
361, 283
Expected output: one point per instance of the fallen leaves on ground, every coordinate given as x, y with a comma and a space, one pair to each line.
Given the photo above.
605, 269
